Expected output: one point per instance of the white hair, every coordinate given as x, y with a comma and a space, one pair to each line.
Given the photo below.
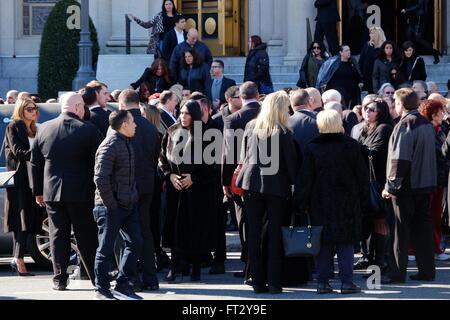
331, 95
333, 106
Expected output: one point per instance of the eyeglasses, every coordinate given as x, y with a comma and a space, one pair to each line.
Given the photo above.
31, 109
316, 48
389, 92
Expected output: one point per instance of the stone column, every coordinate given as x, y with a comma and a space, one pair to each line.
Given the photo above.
296, 32
254, 23
276, 42
267, 21
8, 25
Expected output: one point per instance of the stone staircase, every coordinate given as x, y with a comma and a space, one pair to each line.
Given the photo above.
118, 71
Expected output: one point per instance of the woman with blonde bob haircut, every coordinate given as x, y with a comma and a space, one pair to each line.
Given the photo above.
332, 189
22, 214
369, 54
268, 172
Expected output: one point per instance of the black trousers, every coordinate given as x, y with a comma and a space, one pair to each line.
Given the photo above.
62, 216
220, 254
20, 244
330, 32
147, 256
257, 206
413, 223
241, 219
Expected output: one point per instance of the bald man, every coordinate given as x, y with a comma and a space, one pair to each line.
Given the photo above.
191, 42
62, 160
315, 99
11, 96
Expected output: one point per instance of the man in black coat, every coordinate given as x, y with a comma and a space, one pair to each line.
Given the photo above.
146, 147
327, 17
303, 121
115, 211
218, 84
99, 111
174, 37
167, 104
62, 160
234, 126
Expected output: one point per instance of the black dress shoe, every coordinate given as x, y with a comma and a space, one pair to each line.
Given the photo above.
275, 290
260, 289
350, 288
324, 288
59, 286
217, 269
420, 277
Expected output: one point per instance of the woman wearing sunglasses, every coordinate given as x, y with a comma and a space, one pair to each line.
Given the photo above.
311, 64
22, 214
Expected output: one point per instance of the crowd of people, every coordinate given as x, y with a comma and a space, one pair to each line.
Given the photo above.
138, 182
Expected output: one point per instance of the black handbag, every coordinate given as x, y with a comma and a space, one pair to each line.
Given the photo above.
376, 203
301, 241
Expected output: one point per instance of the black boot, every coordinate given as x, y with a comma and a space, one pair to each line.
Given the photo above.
436, 56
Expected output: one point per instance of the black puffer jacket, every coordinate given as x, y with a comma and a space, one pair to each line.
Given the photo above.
114, 173
257, 66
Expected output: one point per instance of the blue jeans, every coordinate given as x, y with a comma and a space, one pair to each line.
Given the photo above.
110, 223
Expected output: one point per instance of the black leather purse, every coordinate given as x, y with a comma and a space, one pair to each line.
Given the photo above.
301, 241
376, 204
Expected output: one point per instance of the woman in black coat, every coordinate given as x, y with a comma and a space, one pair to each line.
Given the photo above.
194, 74
369, 54
332, 188
257, 66
22, 214
268, 188
190, 193
374, 142
388, 58
412, 66
157, 78
311, 64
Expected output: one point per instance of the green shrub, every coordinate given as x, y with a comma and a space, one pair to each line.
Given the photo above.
59, 52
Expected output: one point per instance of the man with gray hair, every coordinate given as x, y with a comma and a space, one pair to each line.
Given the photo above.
432, 87
331, 96
191, 43
11, 96
62, 161
303, 121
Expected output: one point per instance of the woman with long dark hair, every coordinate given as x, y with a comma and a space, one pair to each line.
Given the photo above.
311, 64
412, 66
374, 142
257, 65
22, 215
388, 58
194, 74
157, 78
190, 193
161, 23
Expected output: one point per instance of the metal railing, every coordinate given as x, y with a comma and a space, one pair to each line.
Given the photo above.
127, 35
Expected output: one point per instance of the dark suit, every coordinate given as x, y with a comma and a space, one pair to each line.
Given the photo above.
303, 123
226, 83
218, 117
100, 118
62, 161
327, 16
230, 160
166, 121
170, 42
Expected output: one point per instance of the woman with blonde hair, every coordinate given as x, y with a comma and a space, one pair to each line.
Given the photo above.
332, 188
268, 172
369, 54
22, 214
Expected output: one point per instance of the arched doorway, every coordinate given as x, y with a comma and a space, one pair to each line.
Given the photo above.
222, 24
387, 14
